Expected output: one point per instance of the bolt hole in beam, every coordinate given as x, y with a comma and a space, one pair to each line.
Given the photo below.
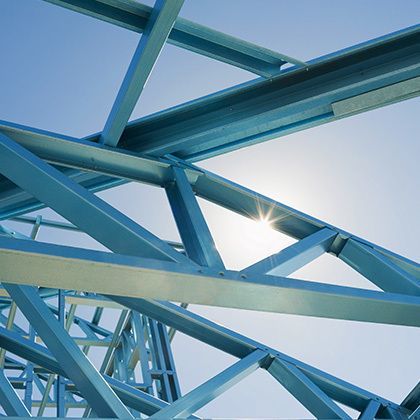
27, 262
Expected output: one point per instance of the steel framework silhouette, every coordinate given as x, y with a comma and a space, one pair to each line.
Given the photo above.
144, 274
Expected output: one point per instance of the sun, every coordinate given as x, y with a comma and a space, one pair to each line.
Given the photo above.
263, 228
264, 223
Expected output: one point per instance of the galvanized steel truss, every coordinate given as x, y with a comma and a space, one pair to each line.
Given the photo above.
48, 282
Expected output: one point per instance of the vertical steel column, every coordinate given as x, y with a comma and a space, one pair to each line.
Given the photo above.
60, 381
163, 363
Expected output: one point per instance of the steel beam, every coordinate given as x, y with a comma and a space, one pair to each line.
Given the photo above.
364, 77
294, 256
415, 415
9, 399
186, 34
412, 400
155, 34
285, 219
212, 388
78, 205
69, 226
213, 334
294, 100
195, 234
370, 411
94, 271
379, 269
89, 156
305, 391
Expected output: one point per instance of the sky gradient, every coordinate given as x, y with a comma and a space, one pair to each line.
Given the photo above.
61, 71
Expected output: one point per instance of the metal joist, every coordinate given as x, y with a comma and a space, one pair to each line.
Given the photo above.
364, 77
305, 391
189, 35
294, 256
238, 345
379, 269
294, 100
95, 271
370, 411
155, 34
195, 234
89, 156
110, 227
212, 388
10, 400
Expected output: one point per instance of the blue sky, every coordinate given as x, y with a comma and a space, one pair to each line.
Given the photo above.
60, 71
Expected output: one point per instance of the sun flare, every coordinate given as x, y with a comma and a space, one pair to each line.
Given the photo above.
263, 228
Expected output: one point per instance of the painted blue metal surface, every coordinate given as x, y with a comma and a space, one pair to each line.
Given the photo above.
304, 390
76, 365
9, 399
378, 269
41, 169
237, 345
295, 256
212, 388
195, 234
38, 354
371, 410
111, 228
76, 153
186, 34
154, 36
96, 271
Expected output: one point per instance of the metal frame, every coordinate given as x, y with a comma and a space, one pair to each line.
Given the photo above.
137, 375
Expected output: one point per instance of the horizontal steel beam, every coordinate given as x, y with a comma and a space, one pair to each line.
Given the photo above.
191, 36
25, 262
